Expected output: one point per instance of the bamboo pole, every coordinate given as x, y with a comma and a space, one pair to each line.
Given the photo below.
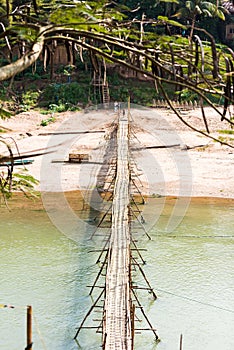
181, 342
144, 314
29, 328
88, 313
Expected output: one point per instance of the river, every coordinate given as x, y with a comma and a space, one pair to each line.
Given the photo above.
190, 269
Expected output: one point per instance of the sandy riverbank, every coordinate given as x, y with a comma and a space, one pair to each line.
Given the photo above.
195, 166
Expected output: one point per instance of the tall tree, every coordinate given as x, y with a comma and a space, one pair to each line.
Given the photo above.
105, 31
190, 10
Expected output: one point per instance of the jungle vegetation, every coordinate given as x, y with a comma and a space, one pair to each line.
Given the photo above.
177, 47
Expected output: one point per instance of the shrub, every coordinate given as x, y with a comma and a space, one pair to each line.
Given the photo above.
29, 100
68, 95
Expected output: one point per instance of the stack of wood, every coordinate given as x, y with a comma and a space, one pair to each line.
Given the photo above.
78, 157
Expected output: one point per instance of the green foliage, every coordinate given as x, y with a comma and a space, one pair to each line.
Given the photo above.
226, 139
165, 20
192, 8
140, 92
6, 104
187, 95
47, 121
24, 182
37, 72
35, 76
4, 113
25, 33
68, 95
29, 100
67, 70
85, 14
69, 15
3, 91
229, 132
21, 182
94, 30
217, 100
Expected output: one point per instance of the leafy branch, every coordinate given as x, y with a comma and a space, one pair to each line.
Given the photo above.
106, 33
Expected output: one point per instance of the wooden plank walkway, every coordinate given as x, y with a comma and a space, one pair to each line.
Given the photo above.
117, 325
118, 297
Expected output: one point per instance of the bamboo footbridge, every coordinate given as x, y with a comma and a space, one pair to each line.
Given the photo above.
118, 296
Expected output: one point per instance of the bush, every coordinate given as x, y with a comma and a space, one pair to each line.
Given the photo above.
140, 93
68, 95
29, 100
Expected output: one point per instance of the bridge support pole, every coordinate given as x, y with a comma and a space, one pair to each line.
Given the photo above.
29, 328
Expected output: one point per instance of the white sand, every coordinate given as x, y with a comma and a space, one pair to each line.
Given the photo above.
200, 171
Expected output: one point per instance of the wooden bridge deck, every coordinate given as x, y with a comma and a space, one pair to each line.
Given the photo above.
118, 321
117, 326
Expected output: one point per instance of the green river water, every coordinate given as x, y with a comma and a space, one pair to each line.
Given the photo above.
190, 269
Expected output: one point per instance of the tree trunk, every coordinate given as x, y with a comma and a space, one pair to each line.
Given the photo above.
192, 27
24, 62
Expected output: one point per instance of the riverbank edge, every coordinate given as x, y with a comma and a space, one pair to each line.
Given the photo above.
75, 199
